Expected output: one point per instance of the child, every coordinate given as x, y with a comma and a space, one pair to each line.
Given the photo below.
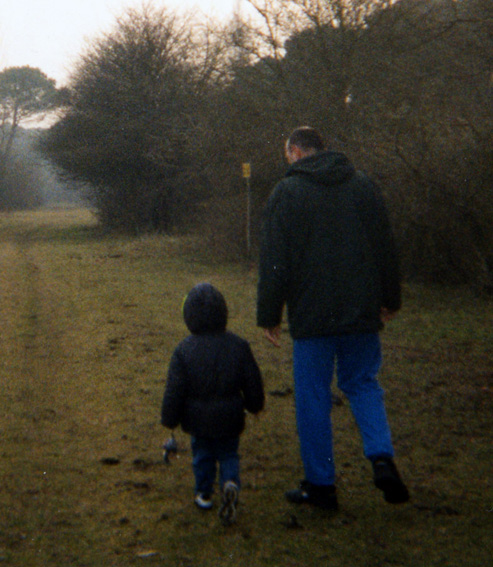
212, 379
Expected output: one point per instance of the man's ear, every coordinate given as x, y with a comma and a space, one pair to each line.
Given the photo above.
293, 154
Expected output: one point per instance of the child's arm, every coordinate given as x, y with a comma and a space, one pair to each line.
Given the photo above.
174, 394
253, 390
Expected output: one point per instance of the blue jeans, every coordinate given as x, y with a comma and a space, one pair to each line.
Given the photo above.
206, 454
358, 362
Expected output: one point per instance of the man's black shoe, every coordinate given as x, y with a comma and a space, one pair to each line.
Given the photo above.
386, 478
321, 496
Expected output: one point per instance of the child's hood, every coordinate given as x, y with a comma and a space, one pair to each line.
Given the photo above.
205, 310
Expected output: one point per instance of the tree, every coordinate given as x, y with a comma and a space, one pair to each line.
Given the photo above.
291, 64
405, 88
428, 129
20, 180
161, 118
25, 92
134, 96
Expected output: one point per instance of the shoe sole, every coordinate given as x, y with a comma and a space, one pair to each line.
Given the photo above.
297, 497
205, 507
303, 497
227, 513
394, 491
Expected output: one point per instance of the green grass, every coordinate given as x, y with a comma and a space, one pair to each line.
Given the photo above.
88, 326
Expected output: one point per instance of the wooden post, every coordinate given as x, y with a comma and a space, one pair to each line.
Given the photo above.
246, 175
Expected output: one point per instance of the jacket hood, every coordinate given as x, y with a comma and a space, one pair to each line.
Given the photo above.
324, 168
205, 310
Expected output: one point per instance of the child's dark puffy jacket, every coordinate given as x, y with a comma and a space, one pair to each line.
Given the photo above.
213, 376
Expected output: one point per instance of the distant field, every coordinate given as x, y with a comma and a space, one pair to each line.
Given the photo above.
88, 325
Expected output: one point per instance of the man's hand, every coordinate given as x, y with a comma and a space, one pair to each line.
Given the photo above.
273, 335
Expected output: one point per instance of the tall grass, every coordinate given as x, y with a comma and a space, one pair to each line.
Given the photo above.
88, 325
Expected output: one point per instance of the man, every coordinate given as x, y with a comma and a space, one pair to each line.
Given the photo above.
328, 254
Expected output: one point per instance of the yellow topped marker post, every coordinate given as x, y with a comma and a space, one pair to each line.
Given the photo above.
247, 173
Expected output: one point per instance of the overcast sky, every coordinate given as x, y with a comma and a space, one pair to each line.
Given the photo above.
50, 34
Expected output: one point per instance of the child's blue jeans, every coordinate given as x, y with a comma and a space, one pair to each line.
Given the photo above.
206, 454
358, 359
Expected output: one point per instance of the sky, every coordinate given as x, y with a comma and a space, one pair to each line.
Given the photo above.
50, 34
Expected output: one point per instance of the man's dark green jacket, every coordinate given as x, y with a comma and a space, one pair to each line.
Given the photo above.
327, 251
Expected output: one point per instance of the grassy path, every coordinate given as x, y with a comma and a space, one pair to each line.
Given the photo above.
39, 376
88, 326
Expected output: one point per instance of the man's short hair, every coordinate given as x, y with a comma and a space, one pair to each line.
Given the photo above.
306, 138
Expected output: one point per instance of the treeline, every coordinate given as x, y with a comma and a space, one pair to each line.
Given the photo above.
28, 181
24, 93
164, 110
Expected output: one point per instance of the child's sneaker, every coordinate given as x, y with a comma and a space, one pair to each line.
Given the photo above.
227, 513
386, 478
203, 501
